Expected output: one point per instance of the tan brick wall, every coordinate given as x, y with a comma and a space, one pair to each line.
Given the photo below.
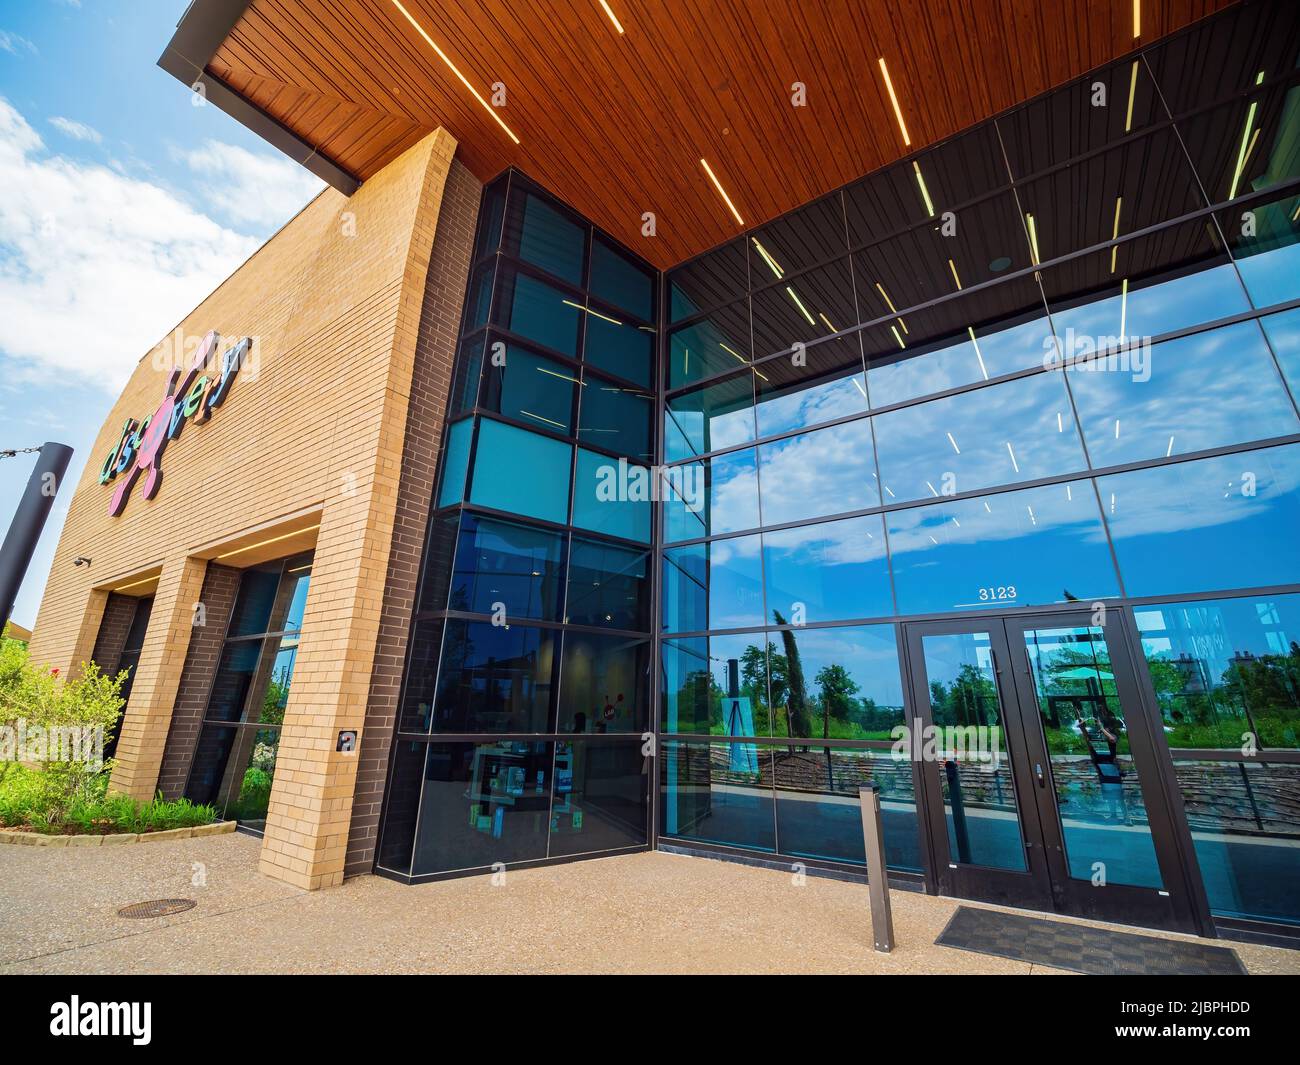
313, 423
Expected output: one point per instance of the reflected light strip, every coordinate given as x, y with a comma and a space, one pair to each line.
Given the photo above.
1112, 502
1132, 92
860, 388
1031, 514
267, 543
934, 491
612, 17
1296, 215
799, 303
552, 421
767, 258
890, 304
452, 66
1170, 449
1014, 464
1033, 237
894, 329
1116, 428
1069, 495
954, 444
561, 376
827, 321
925, 193
983, 368
731, 351
953, 267
893, 99
1060, 423
1114, 251
584, 307
1246, 142
1123, 311
721, 191
987, 507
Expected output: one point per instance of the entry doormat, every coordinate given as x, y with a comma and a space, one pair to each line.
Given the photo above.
1081, 949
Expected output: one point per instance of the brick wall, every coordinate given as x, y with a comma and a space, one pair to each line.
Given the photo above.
119, 611
431, 380
220, 584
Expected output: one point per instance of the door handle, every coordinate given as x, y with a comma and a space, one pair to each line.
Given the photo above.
1038, 772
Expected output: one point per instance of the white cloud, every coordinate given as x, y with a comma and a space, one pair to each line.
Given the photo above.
250, 189
14, 44
95, 265
76, 130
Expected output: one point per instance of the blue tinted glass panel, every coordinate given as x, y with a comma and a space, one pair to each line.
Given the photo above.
715, 793
709, 498
710, 346
828, 572
482, 803
621, 348
818, 807
539, 311
1034, 546
550, 240
605, 683
609, 586
521, 473
495, 678
1244, 831
848, 685
617, 417
600, 797
708, 281
500, 562
827, 471
1217, 523
1192, 394
532, 389
455, 462
718, 684
252, 612
1284, 335
1269, 258
717, 585
1223, 670
469, 364
829, 384
617, 280
1020, 430
612, 496
716, 416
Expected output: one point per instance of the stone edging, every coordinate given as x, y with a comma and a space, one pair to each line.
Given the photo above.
37, 839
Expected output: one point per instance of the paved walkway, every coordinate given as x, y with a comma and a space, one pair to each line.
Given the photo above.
643, 913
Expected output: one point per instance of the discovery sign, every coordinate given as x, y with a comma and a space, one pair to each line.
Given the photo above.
191, 395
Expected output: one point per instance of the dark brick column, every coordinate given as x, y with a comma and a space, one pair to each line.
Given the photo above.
119, 611
435, 353
220, 584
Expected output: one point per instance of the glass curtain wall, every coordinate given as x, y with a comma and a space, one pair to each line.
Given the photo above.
234, 761
1051, 360
129, 659
526, 701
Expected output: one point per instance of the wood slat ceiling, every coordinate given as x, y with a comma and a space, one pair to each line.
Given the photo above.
616, 125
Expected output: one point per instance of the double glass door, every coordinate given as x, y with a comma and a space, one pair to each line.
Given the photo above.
1040, 770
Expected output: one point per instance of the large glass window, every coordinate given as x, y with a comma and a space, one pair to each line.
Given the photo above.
718, 793
495, 678
717, 416
714, 585
1034, 546
717, 685
827, 471
606, 683
708, 281
818, 384
1216, 523
233, 766
1192, 394
1021, 430
710, 498
507, 567
829, 572
538, 311
1265, 240
521, 472
600, 797
709, 346
612, 496
545, 236
617, 418
609, 586
531, 388
618, 280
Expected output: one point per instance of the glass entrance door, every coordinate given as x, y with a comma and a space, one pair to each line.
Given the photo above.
1040, 769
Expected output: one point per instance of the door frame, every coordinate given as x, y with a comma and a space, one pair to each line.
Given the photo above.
1045, 884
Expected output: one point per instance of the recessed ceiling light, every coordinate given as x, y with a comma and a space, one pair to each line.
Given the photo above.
717, 185
452, 67
898, 111
1137, 19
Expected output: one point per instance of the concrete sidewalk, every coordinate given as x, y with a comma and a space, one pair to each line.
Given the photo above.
643, 913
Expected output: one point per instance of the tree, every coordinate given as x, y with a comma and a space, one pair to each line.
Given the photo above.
837, 691
800, 722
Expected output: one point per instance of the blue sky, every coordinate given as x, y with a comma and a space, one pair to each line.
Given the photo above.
121, 206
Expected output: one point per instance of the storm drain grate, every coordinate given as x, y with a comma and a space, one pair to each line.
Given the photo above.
157, 908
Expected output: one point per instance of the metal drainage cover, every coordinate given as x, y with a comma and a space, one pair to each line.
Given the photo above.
157, 908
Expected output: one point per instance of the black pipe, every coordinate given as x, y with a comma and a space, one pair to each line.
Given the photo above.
29, 519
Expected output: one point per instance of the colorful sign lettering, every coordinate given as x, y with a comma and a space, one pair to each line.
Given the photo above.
191, 396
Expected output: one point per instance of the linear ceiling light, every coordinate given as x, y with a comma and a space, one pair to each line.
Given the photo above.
1033, 237
767, 258
136, 584
452, 67
1132, 92
925, 193
1137, 19
1114, 248
953, 267
799, 303
612, 17
266, 543
898, 111
717, 185
1247, 142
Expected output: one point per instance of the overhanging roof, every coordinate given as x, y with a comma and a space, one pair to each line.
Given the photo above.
616, 124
